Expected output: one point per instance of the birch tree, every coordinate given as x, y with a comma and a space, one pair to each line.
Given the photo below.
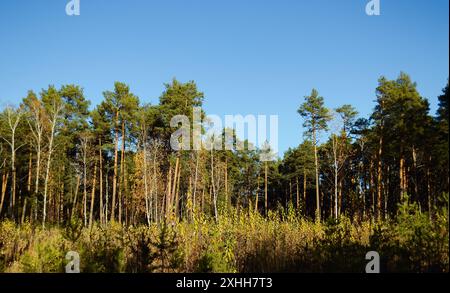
13, 118
54, 107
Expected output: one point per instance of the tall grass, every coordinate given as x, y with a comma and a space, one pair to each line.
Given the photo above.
237, 242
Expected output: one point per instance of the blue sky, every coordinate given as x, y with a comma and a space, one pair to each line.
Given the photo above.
247, 56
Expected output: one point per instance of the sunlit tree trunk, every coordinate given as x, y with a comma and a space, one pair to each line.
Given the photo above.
226, 183
416, 186
100, 160
91, 212
316, 164
5, 178
147, 204
372, 186
336, 169
304, 187
195, 179
177, 192
297, 195
116, 156
401, 176
379, 174
24, 209
106, 196
173, 199
122, 173
155, 186
13, 119
30, 164
84, 145
257, 191
168, 191
386, 193
265, 189
213, 186
55, 116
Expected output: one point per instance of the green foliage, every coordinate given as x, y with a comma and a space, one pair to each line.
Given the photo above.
341, 252
218, 255
139, 241
73, 230
314, 112
46, 254
166, 256
413, 243
103, 250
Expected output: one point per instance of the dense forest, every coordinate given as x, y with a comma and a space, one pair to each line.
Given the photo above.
104, 181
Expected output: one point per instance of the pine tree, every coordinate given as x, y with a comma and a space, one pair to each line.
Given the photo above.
316, 116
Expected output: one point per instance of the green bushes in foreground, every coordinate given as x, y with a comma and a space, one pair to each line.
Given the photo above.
245, 242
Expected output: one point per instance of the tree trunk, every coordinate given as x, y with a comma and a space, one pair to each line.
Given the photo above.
316, 164
85, 184
30, 161
379, 175
13, 172
174, 197
402, 177
335, 185
226, 183
106, 196
91, 212
168, 191
155, 186
177, 193
195, 179
386, 192
339, 211
24, 209
116, 155
47, 171
122, 173
304, 188
38, 170
265, 189
297, 195
100, 160
213, 186
189, 205
5, 178
13, 190
372, 185
429, 188
416, 186
145, 177
257, 192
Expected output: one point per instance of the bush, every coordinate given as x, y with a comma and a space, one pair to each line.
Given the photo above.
413, 242
46, 254
102, 249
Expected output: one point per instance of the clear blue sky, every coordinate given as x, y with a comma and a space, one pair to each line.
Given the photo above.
247, 56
